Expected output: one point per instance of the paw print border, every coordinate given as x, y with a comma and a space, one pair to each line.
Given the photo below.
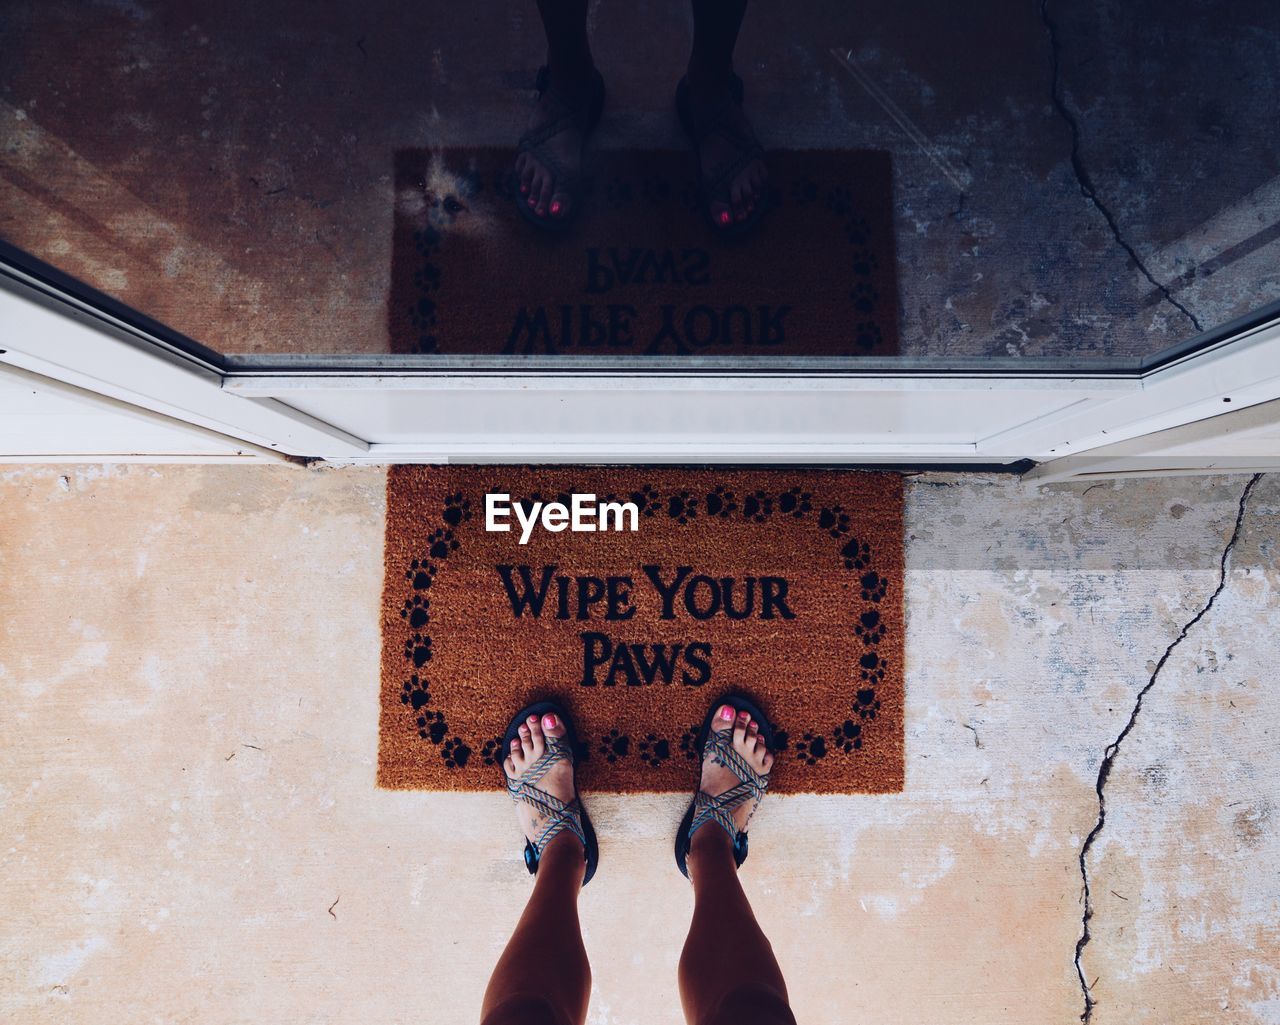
866, 668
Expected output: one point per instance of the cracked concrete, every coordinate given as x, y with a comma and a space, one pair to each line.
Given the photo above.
1113, 749
189, 666
1190, 820
1087, 188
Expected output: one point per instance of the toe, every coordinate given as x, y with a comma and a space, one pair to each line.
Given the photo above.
723, 718
535, 736
753, 736
740, 729
560, 202
721, 215
544, 195
526, 741
535, 187
509, 767
766, 763
552, 725
516, 758
526, 177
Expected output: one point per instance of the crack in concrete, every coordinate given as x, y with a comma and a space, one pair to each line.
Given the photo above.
1112, 749
1083, 179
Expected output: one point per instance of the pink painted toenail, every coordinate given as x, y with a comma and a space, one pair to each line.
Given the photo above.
724, 216
555, 207
549, 721
533, 719
726, 713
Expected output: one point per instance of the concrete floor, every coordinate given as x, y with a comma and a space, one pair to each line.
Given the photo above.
227, 168
189, 668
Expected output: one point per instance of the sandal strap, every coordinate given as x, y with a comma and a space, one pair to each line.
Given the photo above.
569, 817
715, 184
747, 147
719, 808
720, 745
560, 815
535, 137
555, 750
566, 179
716, 121
575, 113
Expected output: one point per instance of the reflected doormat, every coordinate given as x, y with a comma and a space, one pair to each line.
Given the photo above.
640, 272
785, 583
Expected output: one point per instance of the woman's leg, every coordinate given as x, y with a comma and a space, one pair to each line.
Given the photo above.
570, 67
542, 977
728, 973
715, 34
565, 23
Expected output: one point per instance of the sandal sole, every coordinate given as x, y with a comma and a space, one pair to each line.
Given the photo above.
541, 708
739, 702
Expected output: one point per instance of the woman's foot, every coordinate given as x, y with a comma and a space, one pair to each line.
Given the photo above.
738, 198
547, 170
716, 778
558, 780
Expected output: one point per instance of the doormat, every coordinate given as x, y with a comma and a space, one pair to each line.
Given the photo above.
640, 272
786, 584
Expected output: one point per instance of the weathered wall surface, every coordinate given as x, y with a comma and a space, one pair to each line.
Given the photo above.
188, 664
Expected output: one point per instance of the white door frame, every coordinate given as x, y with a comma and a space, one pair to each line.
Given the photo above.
547, 415
63, 339
1244, 441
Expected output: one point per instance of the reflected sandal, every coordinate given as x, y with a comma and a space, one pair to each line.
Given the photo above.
583, 115
747, 148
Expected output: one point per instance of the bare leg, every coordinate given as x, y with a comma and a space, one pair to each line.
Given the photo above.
728, 973
542, 977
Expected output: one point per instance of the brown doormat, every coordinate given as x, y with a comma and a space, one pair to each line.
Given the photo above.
786, 584
640, 273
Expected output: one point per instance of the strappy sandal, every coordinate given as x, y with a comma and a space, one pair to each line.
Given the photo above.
719, 809
580, 114
559, 814
716, 185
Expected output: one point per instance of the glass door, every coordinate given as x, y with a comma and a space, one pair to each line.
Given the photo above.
965, 252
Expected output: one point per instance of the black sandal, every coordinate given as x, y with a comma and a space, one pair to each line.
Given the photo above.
560, 815
748, 148
719, 809
582, 115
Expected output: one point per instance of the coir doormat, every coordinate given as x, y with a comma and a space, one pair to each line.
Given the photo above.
640, 272
785, 584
